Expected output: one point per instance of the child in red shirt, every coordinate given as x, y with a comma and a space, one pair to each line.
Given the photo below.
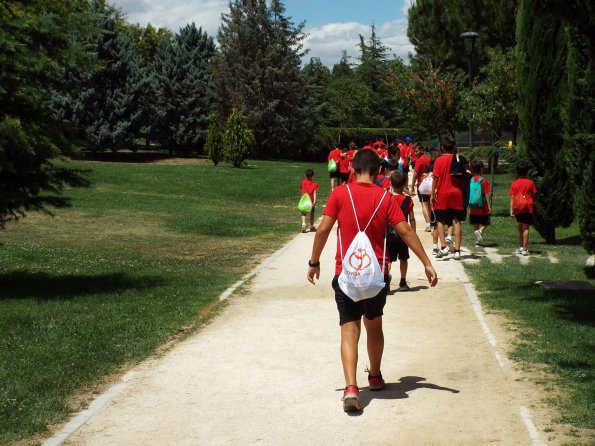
399, 180
522, 195
335, 176
480, 218
309, 187
368, 200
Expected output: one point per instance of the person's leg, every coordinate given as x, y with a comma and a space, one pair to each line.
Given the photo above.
441, 236
525, 236
303, 222
350, 332
375, 343
521, 238
403, 267
458, 231
425, 206
312, 227
332, 183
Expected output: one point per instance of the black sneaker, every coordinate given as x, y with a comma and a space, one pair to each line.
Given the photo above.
403, 285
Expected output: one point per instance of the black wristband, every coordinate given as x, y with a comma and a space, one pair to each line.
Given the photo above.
314, 265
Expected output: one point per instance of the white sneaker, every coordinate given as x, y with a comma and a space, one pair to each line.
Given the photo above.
525, 252
443, 252
478, 237
457, 255
521, 249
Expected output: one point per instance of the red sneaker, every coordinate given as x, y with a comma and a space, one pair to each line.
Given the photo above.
350, 398
375, 382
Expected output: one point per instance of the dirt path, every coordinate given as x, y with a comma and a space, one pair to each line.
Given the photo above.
267, 371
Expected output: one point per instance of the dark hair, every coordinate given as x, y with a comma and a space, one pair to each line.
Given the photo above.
448, 144
522, 168
309, 173
476, 166
366, 161
392, 150
398, 179
383, 165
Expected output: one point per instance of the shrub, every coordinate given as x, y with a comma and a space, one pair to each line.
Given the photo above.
238, 139
214, 144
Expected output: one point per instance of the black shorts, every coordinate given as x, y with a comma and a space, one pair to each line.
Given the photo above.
334, 174
423, 198
526, 219
353, 311
402, 250
446, 216
479, 219
344, 177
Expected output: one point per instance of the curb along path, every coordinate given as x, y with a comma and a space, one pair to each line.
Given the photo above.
267, 371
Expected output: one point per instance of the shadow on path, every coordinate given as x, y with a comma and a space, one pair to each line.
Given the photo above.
397, 391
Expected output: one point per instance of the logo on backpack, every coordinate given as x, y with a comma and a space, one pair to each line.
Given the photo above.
360, 259
361, 277
476, 196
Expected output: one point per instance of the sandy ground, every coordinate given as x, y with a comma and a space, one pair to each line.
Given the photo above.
267, 371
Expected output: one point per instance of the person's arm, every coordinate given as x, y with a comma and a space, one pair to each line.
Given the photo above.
433, 196
314, 202
413, 183
511, 211
322, 232
412, 220
409, 236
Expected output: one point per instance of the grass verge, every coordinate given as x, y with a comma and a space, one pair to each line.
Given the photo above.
142, 254
557, 326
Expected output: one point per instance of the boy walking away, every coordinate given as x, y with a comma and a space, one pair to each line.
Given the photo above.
480, 206
309, 187
447, 199
522, 196
335, 155
361, 206
398, 181
383, 178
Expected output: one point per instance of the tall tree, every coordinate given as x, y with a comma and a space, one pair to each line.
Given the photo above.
541, 58
107, 111
372, 71
183, 79
491, 104
434, 28
258, 71
36, 49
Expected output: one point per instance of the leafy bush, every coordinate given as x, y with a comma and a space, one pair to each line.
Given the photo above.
238, 139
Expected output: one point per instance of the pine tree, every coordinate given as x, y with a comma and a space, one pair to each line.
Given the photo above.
37, 48
238, 139
107, 111
182, 81
258, 71
541, 59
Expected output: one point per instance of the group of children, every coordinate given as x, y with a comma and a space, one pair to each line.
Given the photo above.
361, 204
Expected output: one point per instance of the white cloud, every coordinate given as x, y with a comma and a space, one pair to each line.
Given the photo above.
328, 41
175, 14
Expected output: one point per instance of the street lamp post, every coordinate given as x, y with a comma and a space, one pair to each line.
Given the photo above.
470, 35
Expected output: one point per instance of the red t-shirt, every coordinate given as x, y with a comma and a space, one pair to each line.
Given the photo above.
344, 162
384, 182
334, 154
400, 199
366, 197
486, 189
309, 187
405, 152
448, 195
526, 187
420, 167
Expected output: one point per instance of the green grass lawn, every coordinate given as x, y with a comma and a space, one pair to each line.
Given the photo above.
557, 326
141, 254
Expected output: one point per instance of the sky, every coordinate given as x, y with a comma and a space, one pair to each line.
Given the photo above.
331, 25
